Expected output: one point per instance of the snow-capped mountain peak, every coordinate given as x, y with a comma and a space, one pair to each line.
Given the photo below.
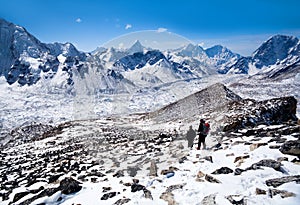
274, 50
135, 48
190, 50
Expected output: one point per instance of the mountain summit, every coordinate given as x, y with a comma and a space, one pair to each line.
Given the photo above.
279, 50
136, 48
24, 59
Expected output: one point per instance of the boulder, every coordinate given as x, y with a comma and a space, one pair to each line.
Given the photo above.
282, 193
209, 200
266, 163
223, 170
147, 194
153, 169
279, 181
241, 158
69, 186
291, 147
168, 197
109, 195
137, 187
211, 179
260, 191
236, 199
122, 201
174, 187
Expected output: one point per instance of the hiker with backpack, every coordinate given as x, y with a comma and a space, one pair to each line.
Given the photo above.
190, 136
202, 132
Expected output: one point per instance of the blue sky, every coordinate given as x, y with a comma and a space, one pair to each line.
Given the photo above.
240, 25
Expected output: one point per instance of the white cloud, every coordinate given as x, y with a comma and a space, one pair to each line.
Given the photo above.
160, 30
78, 20
128, 26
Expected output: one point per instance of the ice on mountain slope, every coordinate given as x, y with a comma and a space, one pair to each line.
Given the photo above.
222, 58
24, 58
278, 51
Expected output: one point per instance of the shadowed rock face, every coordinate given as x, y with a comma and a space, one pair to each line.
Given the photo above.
249, 113
291, 147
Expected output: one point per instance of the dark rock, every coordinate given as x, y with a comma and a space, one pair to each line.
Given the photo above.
241, 158
282, 193
109, 195
291, 147
153, 169
282, 110
96, 174
147, 194
53, 178
209, 200
137, 187
279, 181
236, 202
122, 201
296, 161
20, 195
69, 186
223, 170
46, 192
266, 163
281, 159
174, 187
94, 180
106, 189
260, 191
208, 158
127, 184
181, 160
132, 171
119, 173
211, 179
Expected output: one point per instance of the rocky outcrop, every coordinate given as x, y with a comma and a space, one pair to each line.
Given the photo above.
223, 170
279, 181
291, 147
274, 111
209, 200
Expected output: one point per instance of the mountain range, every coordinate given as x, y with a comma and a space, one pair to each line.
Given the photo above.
26, 61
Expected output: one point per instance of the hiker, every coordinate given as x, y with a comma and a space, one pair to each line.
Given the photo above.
190, 136
202, 132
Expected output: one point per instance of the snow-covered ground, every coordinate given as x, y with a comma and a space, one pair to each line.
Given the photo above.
27, 105
191, 179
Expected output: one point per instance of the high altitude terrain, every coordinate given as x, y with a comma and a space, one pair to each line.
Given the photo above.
108, 127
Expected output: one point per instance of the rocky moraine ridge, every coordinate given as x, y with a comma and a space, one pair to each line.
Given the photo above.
133, 159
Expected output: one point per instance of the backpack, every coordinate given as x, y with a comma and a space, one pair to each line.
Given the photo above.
206, 128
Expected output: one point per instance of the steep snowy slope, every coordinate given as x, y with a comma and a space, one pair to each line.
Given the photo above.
25, 60
278, 51
222, 58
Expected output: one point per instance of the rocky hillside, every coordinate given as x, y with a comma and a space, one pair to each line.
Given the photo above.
131, 161
227, 110
197, 104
